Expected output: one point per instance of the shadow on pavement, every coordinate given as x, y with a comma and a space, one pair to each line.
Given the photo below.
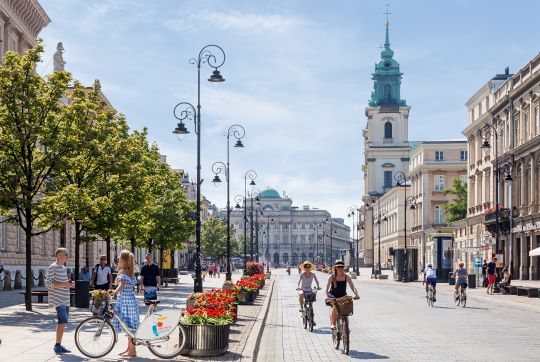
365, 355
322, 331
475, 308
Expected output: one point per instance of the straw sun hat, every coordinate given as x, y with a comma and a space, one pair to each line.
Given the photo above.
311, 266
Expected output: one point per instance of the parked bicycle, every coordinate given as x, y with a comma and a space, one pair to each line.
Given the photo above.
430, 296
342, 332
161, 331
461, 297
308, 315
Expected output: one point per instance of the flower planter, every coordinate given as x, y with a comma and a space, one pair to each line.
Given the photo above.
268, 274
246, 297
206, 340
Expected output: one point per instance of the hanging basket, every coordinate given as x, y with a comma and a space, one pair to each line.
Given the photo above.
206, 340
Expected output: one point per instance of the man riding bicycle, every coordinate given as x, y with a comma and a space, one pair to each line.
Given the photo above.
430, 278
306, 278
461, 276
337, 288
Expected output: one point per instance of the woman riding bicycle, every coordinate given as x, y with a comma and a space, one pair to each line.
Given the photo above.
461, 278
306, 278
337, 288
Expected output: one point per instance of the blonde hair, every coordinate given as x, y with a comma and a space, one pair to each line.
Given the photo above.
129, 262
64, 251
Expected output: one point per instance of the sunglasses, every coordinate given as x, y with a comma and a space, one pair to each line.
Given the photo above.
340, 266
306, 266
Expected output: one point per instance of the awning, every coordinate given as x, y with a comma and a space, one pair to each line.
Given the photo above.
534, 252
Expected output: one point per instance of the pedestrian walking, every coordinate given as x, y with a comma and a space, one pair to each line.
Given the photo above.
484, 278
218, 270
58, 284
211, 270
126, 304
150, 279
491, 275
102, 275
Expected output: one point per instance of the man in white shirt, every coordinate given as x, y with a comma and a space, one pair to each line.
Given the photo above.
102, 275
430, 277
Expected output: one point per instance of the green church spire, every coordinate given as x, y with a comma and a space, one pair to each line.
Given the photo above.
387, 77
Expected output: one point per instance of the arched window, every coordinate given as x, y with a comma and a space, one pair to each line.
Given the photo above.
388, 130
285, 258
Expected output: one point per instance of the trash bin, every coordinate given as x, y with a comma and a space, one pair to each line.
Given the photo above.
82, 294
451, 280
472, 281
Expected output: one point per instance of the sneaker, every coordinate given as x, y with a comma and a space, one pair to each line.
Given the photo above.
61, 349
434, 299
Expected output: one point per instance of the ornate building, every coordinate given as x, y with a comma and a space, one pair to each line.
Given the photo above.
288, 234
503, 134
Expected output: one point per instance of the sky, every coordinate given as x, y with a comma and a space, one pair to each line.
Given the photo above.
298, 77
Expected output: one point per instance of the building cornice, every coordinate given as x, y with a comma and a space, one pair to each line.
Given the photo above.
28, 16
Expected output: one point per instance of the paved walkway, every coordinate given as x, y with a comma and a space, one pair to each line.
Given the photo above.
29, 336
392, 321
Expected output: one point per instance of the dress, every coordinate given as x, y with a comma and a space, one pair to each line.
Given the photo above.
126, 306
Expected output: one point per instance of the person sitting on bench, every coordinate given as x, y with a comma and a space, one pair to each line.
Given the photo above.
507, 278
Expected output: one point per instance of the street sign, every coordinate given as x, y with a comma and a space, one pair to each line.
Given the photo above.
343, 252
477, 262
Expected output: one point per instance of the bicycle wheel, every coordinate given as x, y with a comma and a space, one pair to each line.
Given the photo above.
336, 337
95, 337
304, 318
345, 335
172, 347
311, 318
457, 299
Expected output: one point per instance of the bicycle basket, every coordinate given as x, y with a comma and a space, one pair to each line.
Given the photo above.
98, 306
310, 297
344, 305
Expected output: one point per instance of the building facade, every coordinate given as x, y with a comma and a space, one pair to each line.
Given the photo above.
288, 235
433, 167
503, 134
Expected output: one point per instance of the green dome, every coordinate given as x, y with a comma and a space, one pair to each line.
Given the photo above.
269, 194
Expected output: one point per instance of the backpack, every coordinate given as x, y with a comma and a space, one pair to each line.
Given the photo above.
96, 271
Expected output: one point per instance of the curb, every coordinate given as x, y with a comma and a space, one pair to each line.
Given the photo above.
252, 345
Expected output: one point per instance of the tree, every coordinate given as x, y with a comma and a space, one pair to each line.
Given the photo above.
457, 208
34, 138
214, 238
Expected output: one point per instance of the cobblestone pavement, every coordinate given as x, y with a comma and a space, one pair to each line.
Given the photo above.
393, 322
29, 336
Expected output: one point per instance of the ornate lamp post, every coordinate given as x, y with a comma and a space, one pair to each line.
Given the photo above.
269, 220
351, 211
186, 111
251, 175
377, 219
238, 132
402, 181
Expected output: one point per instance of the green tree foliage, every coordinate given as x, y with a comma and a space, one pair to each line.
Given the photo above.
214, 238
34, 139
457, 208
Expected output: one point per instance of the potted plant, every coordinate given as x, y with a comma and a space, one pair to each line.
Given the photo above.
246, 291
228, 285
207, 331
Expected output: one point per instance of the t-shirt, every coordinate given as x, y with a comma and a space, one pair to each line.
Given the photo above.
150, 273
491, 268
102, 274
461, 273
307, 281
57, 296
431, 272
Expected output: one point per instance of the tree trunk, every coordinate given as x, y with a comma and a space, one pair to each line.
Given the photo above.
132, 241
161, 262
28, 234
149, 245
77, 248
108, 242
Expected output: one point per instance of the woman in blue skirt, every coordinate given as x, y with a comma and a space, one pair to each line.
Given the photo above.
126, 306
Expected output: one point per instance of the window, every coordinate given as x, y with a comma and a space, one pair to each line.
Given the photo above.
302, 239
479, 109
311, 239
537, 119
285, 226
439, 182
276, 239
18, 239
439, 155
303, 226
463, 156
294, 225
387, 178
439, 215
388, 130
527, 126
517, 128
294, 239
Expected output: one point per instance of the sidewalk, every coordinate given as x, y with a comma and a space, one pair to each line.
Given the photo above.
29, 336
479, 292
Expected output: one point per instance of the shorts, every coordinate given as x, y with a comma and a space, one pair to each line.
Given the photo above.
432, 281
102, 286
150, 293
492, 278
62, 313
461, 282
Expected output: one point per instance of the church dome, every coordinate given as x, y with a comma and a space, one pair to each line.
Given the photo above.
270, 194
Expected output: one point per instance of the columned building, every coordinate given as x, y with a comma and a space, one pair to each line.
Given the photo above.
288, 235
510, 104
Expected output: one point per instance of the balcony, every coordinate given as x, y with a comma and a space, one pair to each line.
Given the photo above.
490, 220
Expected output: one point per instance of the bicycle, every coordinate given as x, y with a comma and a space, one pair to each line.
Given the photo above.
161, 332
461, 297
344, 306
308, 316
431, 296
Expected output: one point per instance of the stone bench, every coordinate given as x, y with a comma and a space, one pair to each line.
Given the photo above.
513, 289
527, 291
40, 294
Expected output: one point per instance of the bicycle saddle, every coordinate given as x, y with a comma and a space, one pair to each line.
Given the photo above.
151, 301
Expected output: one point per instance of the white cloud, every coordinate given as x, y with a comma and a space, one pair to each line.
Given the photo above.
234, 20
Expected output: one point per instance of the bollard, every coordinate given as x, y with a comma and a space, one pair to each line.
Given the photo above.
18, 280
41, 278
7, 280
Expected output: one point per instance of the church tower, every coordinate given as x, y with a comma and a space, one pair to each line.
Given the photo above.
386, 146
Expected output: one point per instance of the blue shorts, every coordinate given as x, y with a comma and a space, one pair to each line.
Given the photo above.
62, 313
432, 281
461, 282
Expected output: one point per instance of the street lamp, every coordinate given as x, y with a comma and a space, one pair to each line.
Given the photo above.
377, 219
238, 132
351, 213
402, 181
185, 111
269, 220
251, 175
252, 195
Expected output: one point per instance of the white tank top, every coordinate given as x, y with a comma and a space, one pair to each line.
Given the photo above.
307, 281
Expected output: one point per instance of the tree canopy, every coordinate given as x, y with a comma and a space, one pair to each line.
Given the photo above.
457, 208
